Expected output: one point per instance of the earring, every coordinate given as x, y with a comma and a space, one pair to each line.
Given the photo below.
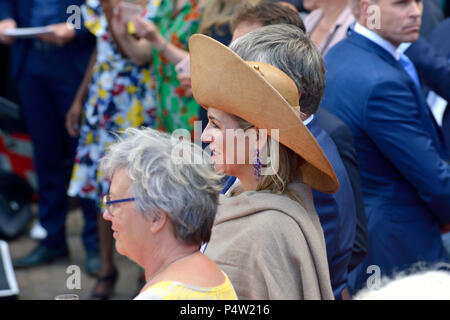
257, 165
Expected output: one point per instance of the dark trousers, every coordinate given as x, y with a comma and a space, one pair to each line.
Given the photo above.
4, 61
47, 87
446, 126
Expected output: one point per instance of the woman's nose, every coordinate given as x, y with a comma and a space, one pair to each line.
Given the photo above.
206, 137
106, 215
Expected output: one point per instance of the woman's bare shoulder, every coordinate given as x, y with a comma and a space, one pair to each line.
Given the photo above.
198, 271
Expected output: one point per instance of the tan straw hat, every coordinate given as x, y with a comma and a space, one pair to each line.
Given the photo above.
262, 95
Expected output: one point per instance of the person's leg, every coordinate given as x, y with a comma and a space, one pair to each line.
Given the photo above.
63, 95
108, 272
106, 246
90, 230
446, 126
4, 66
49, 150
90, 236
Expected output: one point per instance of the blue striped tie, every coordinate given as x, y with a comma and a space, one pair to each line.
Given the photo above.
410, 69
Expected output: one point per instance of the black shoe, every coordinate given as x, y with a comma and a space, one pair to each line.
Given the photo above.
41, 255
92, 264
110, 281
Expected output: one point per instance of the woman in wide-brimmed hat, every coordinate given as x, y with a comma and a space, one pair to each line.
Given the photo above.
267, 236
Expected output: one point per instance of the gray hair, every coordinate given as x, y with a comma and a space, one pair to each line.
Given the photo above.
289, 49
165, 179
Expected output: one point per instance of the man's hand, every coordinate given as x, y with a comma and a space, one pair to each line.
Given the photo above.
5, 25
60, 34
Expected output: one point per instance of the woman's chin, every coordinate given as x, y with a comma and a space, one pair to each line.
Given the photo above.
119, 248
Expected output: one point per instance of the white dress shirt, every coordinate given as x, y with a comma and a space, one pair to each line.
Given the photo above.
374, 37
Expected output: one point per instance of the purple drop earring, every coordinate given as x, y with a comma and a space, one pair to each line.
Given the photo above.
257, 165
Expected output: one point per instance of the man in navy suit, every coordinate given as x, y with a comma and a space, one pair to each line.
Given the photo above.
432, 15
337, 211
48, 71
404, 166
439, 39
342, 136
431, 56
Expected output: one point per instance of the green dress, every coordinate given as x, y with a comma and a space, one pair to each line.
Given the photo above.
173, 109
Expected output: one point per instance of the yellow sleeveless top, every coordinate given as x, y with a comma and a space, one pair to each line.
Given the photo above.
173, 290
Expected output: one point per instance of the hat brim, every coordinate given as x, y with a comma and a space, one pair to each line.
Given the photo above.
222, 80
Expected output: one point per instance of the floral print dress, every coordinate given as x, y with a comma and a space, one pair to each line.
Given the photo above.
120, 95
173, 109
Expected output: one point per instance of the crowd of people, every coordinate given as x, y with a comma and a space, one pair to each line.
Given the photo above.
324, 147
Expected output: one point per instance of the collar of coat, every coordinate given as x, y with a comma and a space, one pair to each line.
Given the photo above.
255, 202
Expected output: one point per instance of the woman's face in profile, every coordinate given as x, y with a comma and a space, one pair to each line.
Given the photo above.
129, 227
229, 144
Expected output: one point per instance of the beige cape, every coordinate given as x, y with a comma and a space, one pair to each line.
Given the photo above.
270, 246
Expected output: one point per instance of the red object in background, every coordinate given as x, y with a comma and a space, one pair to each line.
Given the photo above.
445, 228
117, 89
16, 156
180, 91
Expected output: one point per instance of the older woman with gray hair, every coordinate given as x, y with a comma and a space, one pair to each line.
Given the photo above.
162, 205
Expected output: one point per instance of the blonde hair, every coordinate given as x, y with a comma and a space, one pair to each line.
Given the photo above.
216, 13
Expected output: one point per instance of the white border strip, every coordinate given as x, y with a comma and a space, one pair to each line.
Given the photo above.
10, 276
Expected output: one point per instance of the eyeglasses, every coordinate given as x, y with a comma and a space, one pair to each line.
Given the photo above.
110, 203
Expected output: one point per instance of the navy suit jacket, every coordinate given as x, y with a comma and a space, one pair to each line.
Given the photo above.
342, 137
404, 167
77, 51
337, 213
440, 40
431, 58
432, 15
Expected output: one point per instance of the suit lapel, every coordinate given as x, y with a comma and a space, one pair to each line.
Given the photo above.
372, 47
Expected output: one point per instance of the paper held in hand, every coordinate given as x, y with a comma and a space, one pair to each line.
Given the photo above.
27, 32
